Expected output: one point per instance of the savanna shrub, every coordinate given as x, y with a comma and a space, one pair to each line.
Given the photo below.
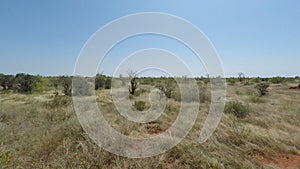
81, 87
231, 81
24, 83
255, 99
66, 83
140, 105
237, 108
277, 80
262, 88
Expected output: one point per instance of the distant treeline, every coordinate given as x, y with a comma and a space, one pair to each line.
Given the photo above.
26, 83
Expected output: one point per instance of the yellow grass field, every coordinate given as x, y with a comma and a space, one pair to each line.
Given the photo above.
41, 130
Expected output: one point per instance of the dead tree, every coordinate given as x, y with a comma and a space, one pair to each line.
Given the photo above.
133, 82
241, 76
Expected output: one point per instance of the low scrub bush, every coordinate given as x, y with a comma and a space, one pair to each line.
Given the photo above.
256, 99
140, 105
277, 80
58, 102
262, 88
237, 108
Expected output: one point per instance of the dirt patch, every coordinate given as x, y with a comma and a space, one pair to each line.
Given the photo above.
152, 130
283, 161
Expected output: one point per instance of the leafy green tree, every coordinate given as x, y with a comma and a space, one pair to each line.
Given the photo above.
54, 83
277, 80
7, 82
108, 83
100, 81
24, 83
66, 83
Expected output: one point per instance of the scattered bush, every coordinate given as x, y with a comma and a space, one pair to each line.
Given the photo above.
67, 85
238, 92
140, 91
58, 102
262, 88
176, 95
237, 108
255, 80
140, 105
250, 92
24, 83
5, 158
6, 81
256, 99
277, 80
167, 88
230, 81
81, 87
107, 83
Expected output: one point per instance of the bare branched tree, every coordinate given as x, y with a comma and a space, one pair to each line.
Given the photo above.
133, 83
241, 76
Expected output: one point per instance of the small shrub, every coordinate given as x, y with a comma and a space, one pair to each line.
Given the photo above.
238, 92
230, 81
5, 158
204, 95
66, 82
277, 80
171, 108
256, 99
237, 108
58, 102
81, 87
140, 105
4, 118
262, 88
250, 92
247, 82
140, 91
176, 95
255, 80
167, 88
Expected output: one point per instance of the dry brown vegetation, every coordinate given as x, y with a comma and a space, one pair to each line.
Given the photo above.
42, 131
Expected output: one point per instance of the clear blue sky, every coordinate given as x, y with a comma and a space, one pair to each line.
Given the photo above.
257, 37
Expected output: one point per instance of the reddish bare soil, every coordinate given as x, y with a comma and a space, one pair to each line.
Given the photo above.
283, 161
152, 130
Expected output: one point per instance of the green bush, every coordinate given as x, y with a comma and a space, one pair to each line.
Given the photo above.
81, 87
140, 91
231, 81
256, 99
6, 81
176, 95
66, 83
277, 80
262, 88
250, 92
238, 92
24, 83
168, 87
140, 105
237, 108
58, 102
